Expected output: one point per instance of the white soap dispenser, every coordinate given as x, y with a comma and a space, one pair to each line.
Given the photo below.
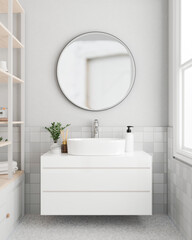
129, 140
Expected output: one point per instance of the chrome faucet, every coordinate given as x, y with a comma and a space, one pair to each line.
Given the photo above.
96, 128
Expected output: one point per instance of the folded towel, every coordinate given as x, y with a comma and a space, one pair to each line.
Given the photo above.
4, 165
2, 170
6, 172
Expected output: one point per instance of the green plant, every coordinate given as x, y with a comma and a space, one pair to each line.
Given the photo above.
2, 139
55, 130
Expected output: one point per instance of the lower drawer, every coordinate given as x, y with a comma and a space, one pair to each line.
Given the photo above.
96, 180
96, 203
10, 212
3, 212
6, 227
7, 218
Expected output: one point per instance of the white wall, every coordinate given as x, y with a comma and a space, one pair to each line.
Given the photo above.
141, 24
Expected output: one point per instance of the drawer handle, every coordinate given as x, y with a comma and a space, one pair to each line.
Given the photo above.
8, 215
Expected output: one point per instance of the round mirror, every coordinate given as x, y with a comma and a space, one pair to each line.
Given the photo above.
96, 71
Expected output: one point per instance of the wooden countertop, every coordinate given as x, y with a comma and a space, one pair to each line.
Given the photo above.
4, 179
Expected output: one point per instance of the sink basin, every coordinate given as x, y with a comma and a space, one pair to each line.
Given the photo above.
96, 146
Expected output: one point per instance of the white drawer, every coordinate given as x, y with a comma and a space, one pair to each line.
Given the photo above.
96, 203
10, 212
3, 212
6, 227
96, 180
7, 223
136, 160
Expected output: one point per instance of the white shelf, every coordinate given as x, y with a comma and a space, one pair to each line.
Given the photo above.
4, 36
17, 8
4, 144
4, 76
14, 123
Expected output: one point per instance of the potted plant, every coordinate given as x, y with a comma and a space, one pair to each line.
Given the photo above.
55, 131
1, 139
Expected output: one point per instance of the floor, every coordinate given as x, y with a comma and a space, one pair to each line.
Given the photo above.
158, 227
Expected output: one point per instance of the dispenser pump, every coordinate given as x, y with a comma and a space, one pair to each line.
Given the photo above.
129, 140
129, 129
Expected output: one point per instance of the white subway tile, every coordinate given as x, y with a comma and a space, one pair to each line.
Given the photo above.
34, 199
138, 146
34, 178
148, 137
159, 137
138, 136
119, 129
159, 178
137, 129
35, 209
35, 129
45, 137
76, 129
86, 129
35, 137
76, 134
158, 188
34, 168
159, 147
86, 134
148, 147
160, 129
34, 188
117, 135
158, 198
148, 129
27, 198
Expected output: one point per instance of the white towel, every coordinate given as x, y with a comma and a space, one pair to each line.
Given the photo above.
6, 172
4, 165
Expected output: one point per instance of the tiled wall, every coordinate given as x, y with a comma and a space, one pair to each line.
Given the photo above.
149, 139
179, 192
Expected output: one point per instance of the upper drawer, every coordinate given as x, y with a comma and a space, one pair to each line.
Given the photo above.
96, 180
121, 161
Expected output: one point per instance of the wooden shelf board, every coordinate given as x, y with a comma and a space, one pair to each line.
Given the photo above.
5, 180
18, 122
17, 8
3, 123
4, 36
3, 144
14, 123
5, 75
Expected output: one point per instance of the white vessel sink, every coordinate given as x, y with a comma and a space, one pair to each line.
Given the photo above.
96, 146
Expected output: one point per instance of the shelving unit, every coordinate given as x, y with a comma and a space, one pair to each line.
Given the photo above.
9, 41
4, 35
4, 77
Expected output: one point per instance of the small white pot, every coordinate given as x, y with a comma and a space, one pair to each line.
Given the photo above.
55, 148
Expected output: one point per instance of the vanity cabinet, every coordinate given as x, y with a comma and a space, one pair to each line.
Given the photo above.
96, 185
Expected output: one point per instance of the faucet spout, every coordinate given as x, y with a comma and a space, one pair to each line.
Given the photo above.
96, 128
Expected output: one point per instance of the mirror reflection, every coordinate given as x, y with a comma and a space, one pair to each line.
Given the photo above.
96, 71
